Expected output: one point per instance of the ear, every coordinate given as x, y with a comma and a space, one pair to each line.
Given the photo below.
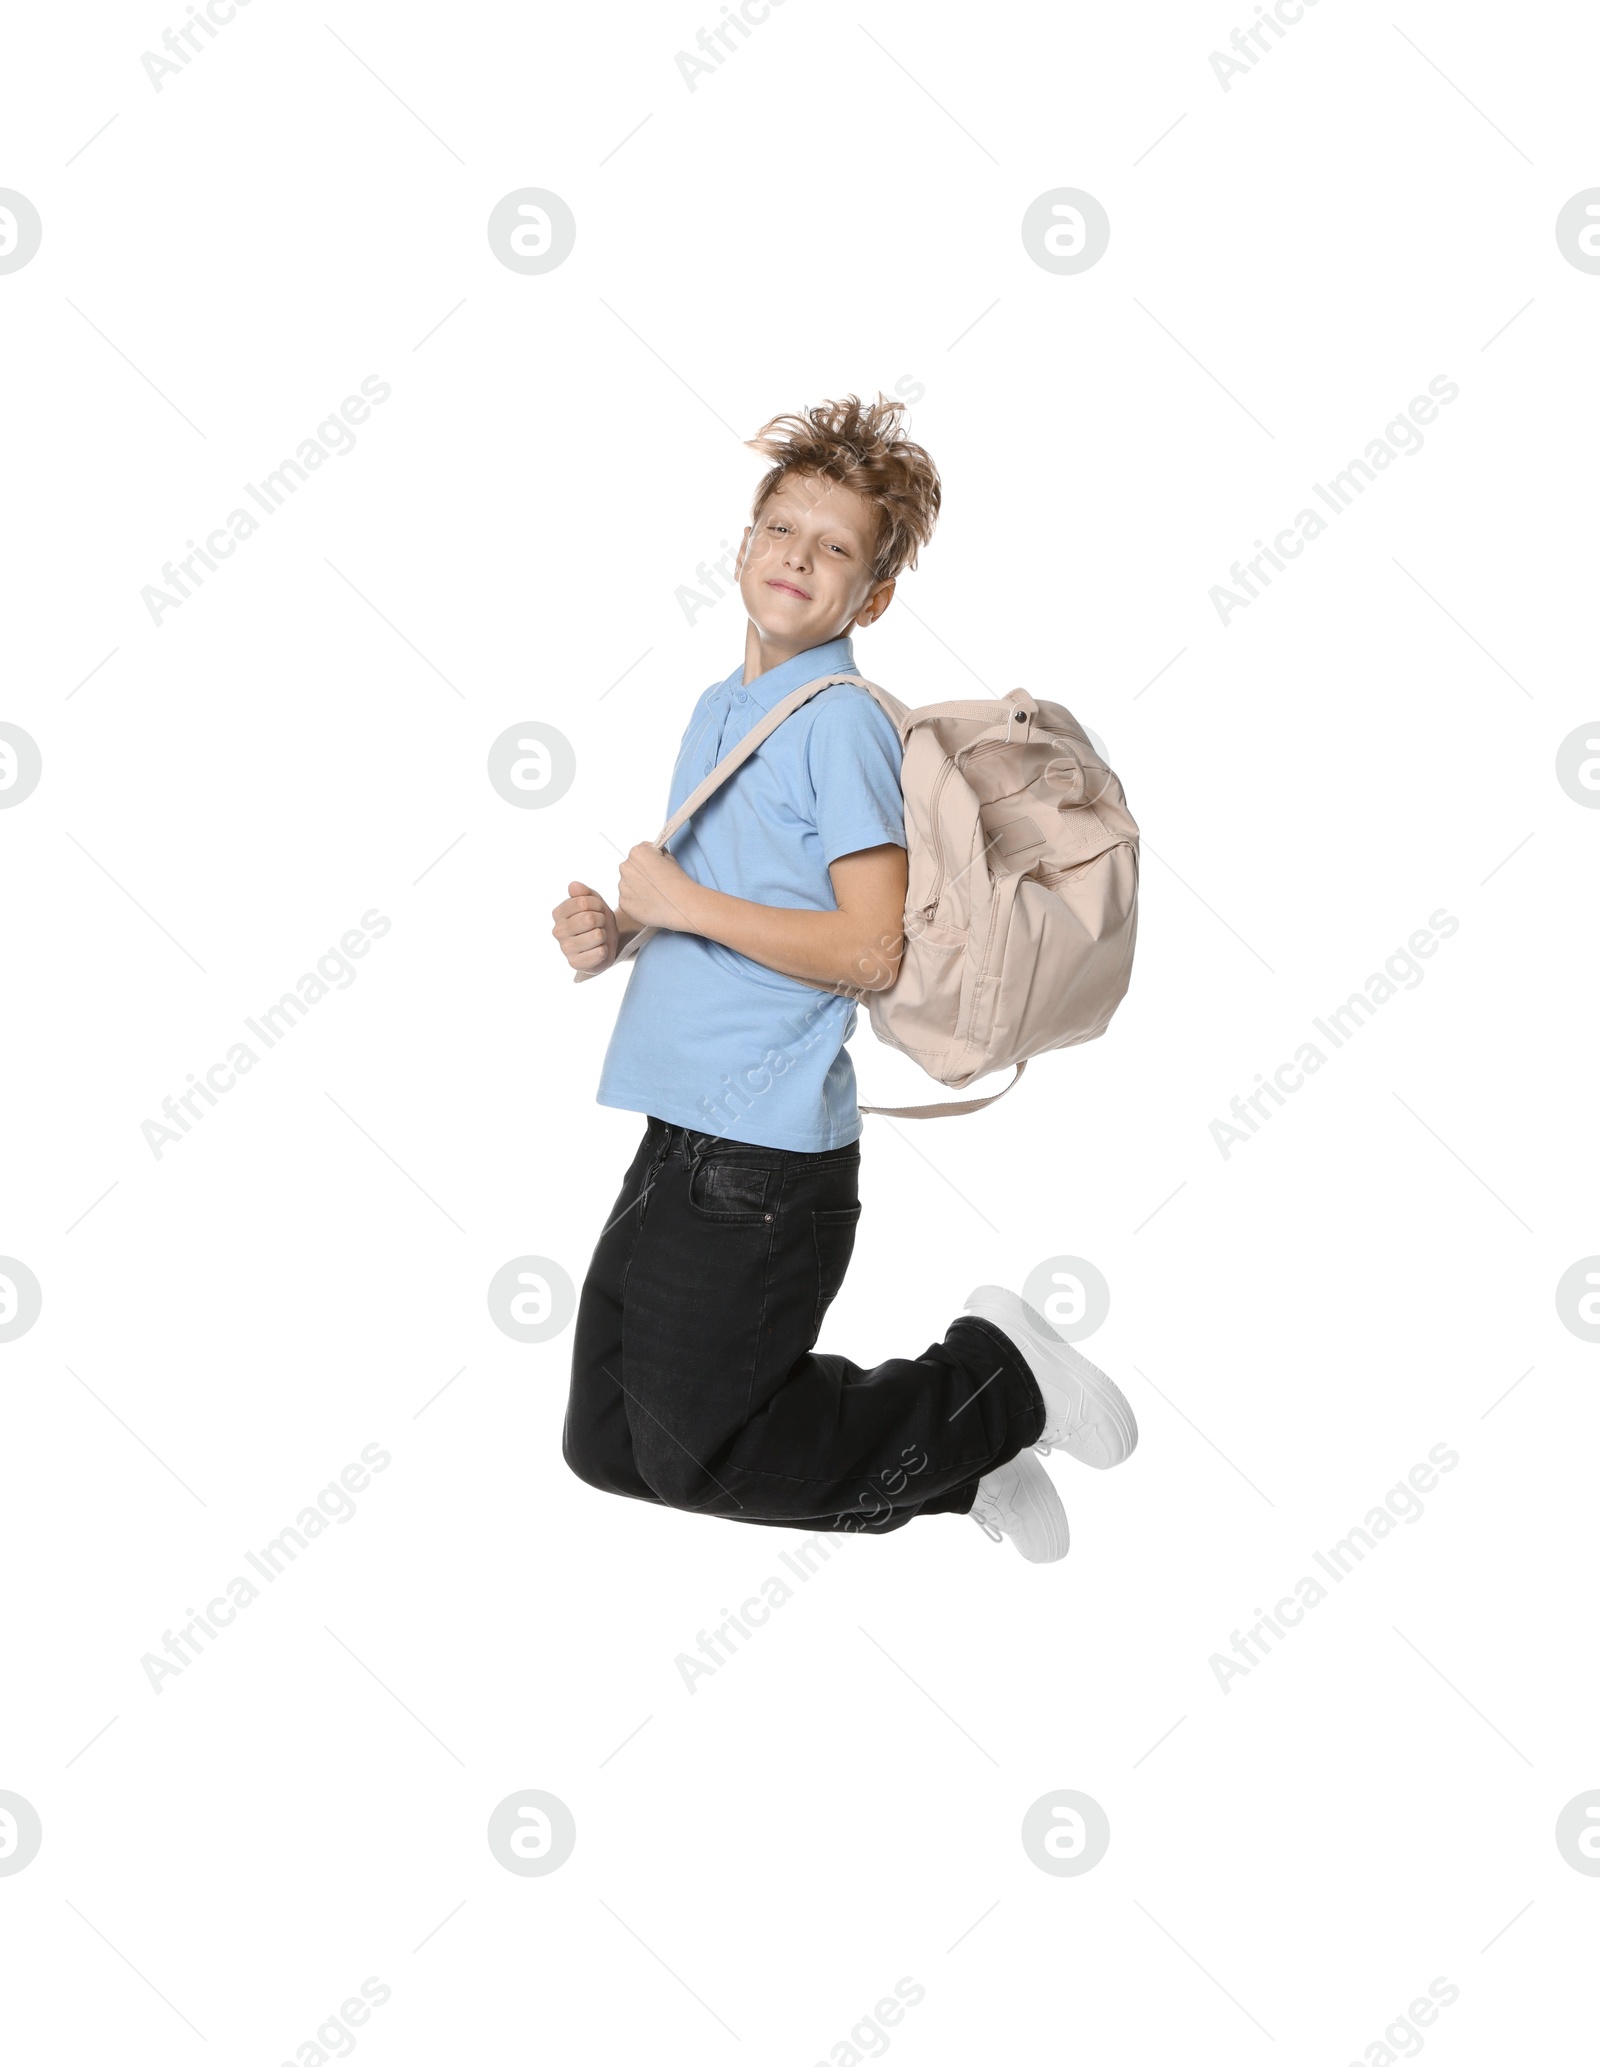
876, 604
744, 547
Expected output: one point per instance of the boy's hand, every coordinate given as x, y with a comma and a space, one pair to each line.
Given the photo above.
653, 889
586, 928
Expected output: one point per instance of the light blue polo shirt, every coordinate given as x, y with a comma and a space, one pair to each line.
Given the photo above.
705, 1037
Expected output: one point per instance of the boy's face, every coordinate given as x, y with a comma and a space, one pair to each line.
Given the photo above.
805, 565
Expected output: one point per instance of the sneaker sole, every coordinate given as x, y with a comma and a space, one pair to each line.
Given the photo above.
1109, 1404
1044, 1505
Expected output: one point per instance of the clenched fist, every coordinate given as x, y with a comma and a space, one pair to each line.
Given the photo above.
654, 890
586, 928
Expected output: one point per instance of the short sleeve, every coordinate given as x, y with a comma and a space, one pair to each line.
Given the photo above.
853, 760
686, 771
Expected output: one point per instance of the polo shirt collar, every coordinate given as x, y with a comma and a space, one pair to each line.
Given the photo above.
833, 658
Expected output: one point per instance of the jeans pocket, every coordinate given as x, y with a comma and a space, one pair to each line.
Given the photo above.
834, 1233
731, 1189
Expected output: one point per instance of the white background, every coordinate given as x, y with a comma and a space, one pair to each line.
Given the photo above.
836, 208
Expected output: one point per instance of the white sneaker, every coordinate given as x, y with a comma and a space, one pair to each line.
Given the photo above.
1085, 1414
1019, 1501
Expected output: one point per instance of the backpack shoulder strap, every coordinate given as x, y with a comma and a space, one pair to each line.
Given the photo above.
735, 759
760, 733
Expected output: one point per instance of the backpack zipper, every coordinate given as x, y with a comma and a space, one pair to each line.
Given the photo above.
968, 1034
930, 911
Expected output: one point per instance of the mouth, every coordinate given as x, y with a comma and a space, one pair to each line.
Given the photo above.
787, 588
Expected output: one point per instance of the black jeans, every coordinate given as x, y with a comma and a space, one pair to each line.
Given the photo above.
694, 1379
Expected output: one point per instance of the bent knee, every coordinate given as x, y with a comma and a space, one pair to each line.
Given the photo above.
675, 1478
590, 1460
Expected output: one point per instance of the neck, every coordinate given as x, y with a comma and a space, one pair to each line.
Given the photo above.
761, 654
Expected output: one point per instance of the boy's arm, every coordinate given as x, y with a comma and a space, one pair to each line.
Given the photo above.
856, 947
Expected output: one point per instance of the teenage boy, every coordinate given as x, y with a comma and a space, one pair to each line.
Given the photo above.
695, 1382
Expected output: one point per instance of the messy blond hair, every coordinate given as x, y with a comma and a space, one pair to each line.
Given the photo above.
861, 446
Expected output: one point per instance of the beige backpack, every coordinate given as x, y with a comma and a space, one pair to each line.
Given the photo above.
1024, 877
